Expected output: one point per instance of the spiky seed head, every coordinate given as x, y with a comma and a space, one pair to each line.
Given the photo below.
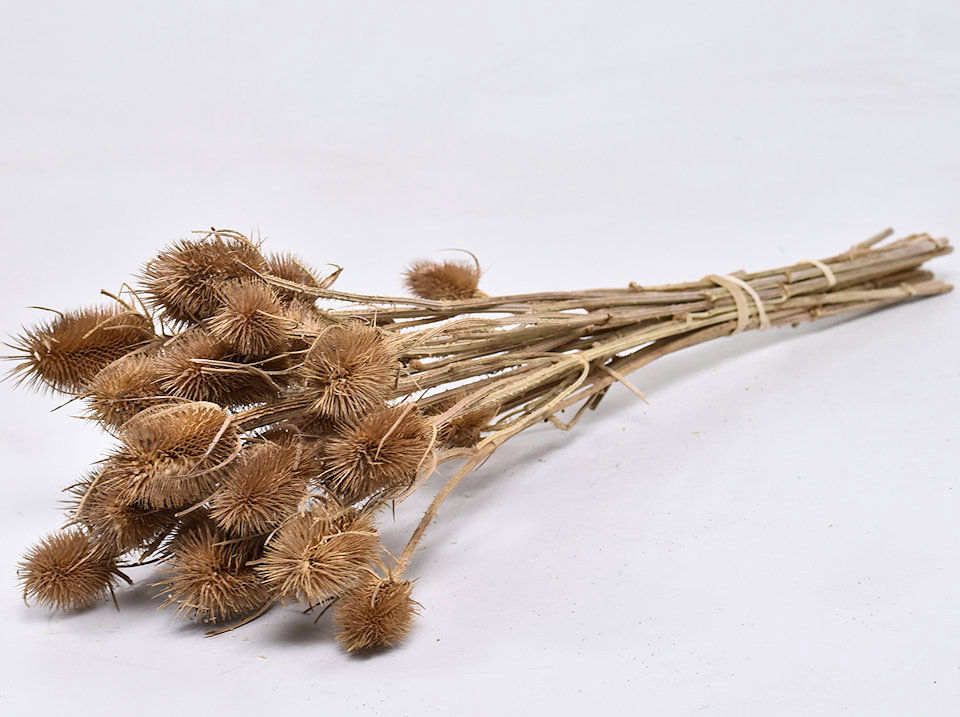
290, 267
261, 488
377, 454
172, 456
65, 353
208, 578
319, 554
250, 321
124, 388
67, 571
112, 520
348, 370
378, 612
465, 430
186, 278
442, 280
181, 375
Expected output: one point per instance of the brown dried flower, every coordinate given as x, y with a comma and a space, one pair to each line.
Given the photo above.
183, 372
250, 321
123, 389
348, 370
67, 571
170, 456
185, 279
378, 612
67, 352
318, 554
261, 488
290, 267
383, 450
443, 280
209, 579
463, 430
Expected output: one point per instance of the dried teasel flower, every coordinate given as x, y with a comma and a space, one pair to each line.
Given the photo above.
259, 489
124, 388
185, 279
443, 280
67, 571
378, 612
208, 578
463, 430
65, 353
319, 554
250, 321
291, 268
348, 370
381, 451
183, 370
171, 456
112, 520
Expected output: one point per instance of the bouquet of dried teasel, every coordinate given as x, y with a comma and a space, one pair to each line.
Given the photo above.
264, 420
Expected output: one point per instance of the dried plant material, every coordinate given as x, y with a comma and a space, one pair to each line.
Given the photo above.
192, 367
65, 353
250, 322
348, 370
67, 571
208, 578
290, 268
381, 451
447, 280
116, 523
169, 456
465, 430
185, 280
261, 488
124, 388
319, 554
378, 612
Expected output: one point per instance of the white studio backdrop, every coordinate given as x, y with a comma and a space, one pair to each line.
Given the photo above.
775, 534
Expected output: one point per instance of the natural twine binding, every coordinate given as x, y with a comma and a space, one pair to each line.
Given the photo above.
739, 290
827, 271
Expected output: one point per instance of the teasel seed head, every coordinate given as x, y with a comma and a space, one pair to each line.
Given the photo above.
65, 353
208, 578
463, 430
250, 320
186, 278
376, 454
112, 520
124, 388
447, 280
348, 370
259, 489
180, 375
172, 456
290, 267
318, 554
67, 571
378, 612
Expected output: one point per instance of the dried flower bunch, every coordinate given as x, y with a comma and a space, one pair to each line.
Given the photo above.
259, 435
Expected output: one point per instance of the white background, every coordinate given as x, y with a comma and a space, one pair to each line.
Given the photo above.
776, 534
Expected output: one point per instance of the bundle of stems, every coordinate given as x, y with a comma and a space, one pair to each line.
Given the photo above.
264, 420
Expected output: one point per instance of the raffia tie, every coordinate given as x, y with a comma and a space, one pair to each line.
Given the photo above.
827, 271
739, 290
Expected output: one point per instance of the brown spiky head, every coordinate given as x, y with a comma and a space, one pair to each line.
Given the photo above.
379, 453
378, 612
64, 354
261, 488
465, 429
186, 278
172, 456
250, 321
319, 554
123, 389
443, 280
348, 370
112, 520
182, 372
67, 571
208, 579
290, 268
